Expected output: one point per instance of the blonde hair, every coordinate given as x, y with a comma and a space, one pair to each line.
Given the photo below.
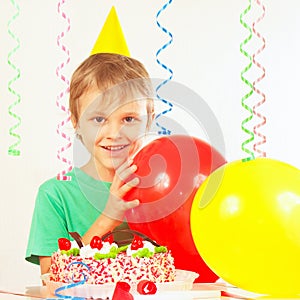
105, 70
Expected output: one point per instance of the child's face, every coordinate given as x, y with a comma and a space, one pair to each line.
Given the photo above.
111, 133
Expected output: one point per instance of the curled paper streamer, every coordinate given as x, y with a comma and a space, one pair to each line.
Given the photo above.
60, 97
249, 84
256, 90
170, 105
72, 284
13, 149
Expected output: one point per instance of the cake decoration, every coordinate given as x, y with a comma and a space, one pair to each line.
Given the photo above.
146, 287
58, 291
109, 261
64, 244
122, 291
96, 242
77, 238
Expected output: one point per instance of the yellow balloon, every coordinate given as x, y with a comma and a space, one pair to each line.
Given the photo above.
245, 222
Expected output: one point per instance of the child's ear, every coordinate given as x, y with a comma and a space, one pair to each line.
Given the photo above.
78, 133
150, 120
74, 122
77, 128
152, 117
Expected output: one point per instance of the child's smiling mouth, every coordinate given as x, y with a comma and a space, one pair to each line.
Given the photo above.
115, 148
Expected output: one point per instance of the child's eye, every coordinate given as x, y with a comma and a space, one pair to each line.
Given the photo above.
99, 120
131, 119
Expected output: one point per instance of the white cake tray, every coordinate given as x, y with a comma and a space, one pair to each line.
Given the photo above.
183, 282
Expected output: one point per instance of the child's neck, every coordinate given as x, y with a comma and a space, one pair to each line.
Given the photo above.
98, 173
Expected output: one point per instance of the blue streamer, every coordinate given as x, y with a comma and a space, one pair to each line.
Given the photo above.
72, 284
164, 131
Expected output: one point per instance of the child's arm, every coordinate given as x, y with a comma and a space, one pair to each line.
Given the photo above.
45, 262
113, 214
116, 207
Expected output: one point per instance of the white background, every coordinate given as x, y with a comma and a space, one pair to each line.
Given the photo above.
204, 56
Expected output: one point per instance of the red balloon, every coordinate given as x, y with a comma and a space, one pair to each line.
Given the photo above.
170, 170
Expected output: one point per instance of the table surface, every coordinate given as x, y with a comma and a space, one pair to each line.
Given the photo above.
42, 292
226, 293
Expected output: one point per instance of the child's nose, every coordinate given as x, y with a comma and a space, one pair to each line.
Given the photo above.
113, 130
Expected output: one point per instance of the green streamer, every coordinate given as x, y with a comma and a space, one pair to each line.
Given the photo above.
13, 148
249, 84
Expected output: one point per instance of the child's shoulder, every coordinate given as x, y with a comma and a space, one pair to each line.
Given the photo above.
56, 182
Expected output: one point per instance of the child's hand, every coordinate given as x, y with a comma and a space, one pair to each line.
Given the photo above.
116, 206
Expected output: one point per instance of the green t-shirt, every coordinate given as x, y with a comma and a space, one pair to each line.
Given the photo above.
62, 207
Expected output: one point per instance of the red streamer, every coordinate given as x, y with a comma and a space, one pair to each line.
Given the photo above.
60, 97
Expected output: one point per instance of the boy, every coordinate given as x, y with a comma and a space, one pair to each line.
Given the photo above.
111, 109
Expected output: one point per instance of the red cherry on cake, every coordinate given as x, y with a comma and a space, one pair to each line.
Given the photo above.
137, 243
146, 287
121, 292
109, 239
64, 244
123, 285
96, 242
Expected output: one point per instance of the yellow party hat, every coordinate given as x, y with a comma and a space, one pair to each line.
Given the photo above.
111, 38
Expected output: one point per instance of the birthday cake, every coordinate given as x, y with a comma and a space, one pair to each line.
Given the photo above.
105, 261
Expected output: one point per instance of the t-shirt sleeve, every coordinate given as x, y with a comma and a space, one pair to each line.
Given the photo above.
48, 224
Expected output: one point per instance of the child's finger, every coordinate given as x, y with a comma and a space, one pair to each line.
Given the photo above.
127, 172
131, 204
126, 187
124, 165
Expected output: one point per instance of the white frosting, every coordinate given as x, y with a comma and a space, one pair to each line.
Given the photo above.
146, 244
87, 251
74, 244
106, 247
